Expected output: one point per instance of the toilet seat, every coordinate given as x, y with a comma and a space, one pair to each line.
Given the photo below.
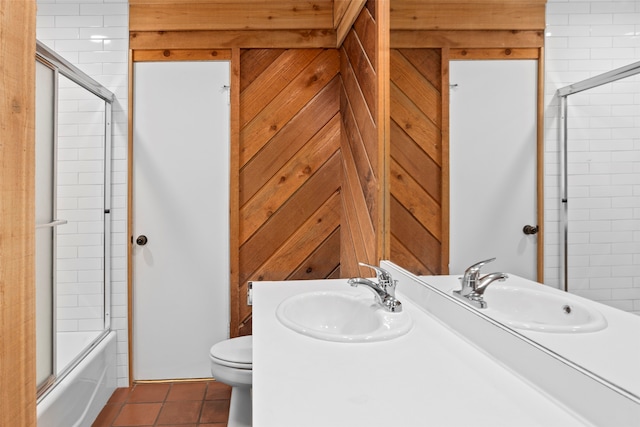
234, 353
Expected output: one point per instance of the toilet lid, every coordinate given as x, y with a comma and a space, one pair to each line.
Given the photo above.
235, 352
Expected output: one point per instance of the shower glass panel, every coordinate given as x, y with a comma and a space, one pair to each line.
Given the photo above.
73, 140
602, 188
80, 245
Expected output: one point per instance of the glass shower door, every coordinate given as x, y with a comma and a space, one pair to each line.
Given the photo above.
72, 205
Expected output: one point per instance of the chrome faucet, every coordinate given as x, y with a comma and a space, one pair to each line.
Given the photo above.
384, 290
473, 286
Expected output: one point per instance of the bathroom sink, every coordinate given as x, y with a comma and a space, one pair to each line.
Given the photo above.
543, 310
341, 316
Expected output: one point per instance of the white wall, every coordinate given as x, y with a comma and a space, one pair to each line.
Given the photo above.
584, 39
94, 36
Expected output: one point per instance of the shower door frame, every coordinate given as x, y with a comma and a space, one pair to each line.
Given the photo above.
53, 224
61, 66
563, 93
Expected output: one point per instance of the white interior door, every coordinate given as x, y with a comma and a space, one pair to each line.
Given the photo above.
181, 207
493, 162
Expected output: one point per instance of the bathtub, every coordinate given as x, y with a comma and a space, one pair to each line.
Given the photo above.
79, 396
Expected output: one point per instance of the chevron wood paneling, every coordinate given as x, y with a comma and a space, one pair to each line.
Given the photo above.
290, 167
416, 159
358, 100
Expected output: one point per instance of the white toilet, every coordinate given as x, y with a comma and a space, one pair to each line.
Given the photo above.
231, 363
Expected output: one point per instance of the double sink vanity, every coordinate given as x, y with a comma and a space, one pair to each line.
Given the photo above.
401, 350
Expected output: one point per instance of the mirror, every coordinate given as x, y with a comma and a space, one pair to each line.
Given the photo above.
419, 201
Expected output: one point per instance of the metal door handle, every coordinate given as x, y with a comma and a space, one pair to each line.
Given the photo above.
530, 229
142, 240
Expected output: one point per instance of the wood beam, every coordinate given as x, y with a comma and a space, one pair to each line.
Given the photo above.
467, 39
225, 15
17, 210
268, 39
470, 15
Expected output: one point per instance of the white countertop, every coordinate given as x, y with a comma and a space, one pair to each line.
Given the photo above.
612, 353
429, 377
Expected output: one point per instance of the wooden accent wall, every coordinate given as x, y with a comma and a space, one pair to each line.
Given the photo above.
416, 160
17, 210
362, 156
290, 167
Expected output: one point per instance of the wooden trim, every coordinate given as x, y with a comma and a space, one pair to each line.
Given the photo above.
467, 39
271, 15
244, 39
234, 194
540, 155
346, 21
445, 164
384, 128
508, 53
487, 15
17, 210
130, 220
181, 55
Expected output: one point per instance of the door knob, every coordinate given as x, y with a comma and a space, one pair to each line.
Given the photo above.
530, 229
142, 240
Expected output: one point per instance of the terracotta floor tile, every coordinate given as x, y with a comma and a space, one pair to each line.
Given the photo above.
138, 414
215, 411
217, 391
120, 395
180, 412
107, 415
149, 393
183, 407
187, 391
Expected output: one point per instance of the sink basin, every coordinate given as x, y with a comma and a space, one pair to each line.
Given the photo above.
542, 310
341, 316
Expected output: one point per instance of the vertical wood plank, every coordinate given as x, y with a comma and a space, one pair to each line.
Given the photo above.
17, 210
382, 16
235, 299
444, 71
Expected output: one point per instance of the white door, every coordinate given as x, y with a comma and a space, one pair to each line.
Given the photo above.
180, 216
493, 162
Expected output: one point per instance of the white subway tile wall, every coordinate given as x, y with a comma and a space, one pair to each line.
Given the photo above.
94, 36
584, 39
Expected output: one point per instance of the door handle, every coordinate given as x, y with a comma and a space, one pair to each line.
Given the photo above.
530, 229
142, 240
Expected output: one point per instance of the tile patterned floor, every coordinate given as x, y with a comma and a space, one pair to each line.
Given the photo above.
183, 404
